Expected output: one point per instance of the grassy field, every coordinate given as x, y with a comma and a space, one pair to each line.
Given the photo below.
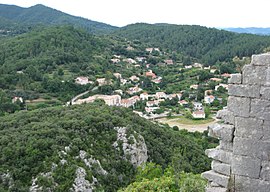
187, 121
188, 124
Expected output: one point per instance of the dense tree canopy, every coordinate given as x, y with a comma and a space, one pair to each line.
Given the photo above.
30, 142
204, 44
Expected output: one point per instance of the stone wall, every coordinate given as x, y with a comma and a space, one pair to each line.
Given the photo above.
241, 162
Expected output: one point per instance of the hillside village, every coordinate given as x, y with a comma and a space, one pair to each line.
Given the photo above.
133, 91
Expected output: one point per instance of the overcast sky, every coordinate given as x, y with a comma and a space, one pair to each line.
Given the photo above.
210, 13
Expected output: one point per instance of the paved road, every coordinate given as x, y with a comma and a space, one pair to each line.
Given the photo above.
80, 95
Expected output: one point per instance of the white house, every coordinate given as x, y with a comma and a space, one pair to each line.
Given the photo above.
134, 78
144, 96
197, 106
103, 81
150, 109
209, 99
133, 90
118, 75
198, 115
130, 61
160, 95
188, 66
194, 86
82, 80
115, 60
198, 65
17, 99
111, 100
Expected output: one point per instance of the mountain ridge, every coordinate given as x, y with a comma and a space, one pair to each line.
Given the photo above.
35, 15
250, 30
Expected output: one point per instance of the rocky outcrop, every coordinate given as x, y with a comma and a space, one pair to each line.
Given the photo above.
134, 148
7, 179
81, 184
90, 162
241, 162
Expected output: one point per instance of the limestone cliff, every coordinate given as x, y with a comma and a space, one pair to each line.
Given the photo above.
241, 162
135, 149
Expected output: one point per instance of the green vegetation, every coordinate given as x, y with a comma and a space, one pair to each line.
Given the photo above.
42, 143
150, 177
38, 136
196, 43
48, 60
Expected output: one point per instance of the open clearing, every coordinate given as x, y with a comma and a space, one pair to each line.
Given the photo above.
190, 125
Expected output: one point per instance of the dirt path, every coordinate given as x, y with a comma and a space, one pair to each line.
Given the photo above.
191, 128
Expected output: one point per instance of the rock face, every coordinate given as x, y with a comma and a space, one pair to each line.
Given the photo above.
241, 162
134, 148
80, 183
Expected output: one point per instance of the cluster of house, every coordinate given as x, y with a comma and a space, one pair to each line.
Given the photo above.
132, 90
116, 100
152, 101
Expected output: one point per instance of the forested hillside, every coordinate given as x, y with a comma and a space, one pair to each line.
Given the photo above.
42, 15
51, 147
207, 45
48, 59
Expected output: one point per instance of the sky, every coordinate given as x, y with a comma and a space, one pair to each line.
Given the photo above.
209, 13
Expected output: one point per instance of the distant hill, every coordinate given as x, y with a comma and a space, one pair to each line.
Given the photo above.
42, 15
208, 45
251, 30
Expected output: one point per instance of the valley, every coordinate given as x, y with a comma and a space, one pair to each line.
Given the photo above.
86, 106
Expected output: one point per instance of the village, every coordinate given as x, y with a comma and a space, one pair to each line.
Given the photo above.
131, 92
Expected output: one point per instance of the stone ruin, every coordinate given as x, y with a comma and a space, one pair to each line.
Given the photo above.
241, 162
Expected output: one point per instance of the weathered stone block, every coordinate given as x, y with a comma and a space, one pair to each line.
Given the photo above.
215, 189
213, 184
267, 77
239, 106
254, 74
224, 145
261, 59
244, 90
248, 147
246, 166
260, 109
226, 116
221, 131
245, 184
248, 128
266, 131
265, 92
222, 168
265, 171
220, 179
219, 155
235, 79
